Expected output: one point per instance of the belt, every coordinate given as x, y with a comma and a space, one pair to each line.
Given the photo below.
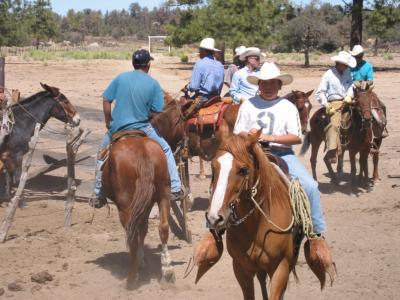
266, 146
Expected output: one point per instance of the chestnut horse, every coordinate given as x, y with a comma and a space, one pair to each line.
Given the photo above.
205, 148
135, 177
358, 134
262, 241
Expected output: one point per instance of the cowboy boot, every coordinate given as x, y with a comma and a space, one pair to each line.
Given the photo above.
99, 199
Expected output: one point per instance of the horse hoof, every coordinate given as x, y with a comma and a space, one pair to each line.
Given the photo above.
168, 276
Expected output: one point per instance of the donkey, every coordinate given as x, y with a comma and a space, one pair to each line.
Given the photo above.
38, 108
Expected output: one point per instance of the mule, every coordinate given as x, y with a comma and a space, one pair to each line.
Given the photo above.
261, 236
38, 108
135, 183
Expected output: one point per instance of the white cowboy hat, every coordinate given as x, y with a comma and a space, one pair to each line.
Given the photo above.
239, 50
251, 51
345, 58
208, 44
357, 50
270, 71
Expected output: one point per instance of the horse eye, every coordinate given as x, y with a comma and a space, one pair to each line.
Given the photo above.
243, 171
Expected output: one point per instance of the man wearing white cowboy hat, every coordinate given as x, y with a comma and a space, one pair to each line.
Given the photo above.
241, 89
208, 73
236, 66
335, 89
363, 71
279, 120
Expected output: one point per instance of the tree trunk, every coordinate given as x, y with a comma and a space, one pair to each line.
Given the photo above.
376, 47
306, 58
37, 43
356, 23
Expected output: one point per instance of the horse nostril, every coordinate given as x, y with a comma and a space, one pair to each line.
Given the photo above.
220, 220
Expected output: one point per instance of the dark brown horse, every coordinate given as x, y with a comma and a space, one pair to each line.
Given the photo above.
206, 147
261, 241
135, 177
357, 137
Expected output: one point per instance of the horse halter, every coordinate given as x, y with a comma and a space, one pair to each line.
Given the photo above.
65, 106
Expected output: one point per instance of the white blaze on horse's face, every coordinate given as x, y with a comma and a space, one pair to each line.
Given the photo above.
225, 161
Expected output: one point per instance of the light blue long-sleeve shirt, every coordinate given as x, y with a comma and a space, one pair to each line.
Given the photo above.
207, 77
334, 86
363, 72
240, 87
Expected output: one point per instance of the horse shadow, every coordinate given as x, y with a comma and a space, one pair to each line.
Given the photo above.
118, 264
200, 204
345, 186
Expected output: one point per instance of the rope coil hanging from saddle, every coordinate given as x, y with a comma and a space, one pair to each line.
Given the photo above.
301, 208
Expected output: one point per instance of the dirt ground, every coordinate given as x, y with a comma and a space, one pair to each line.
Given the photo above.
89, 261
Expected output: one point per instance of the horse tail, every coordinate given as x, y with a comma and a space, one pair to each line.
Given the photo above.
306, 143
141, 199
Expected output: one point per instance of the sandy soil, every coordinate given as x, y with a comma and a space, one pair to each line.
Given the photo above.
89, 261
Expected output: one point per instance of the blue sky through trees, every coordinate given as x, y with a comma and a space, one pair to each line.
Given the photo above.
62, 6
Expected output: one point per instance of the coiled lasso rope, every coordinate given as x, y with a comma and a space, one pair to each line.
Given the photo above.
301, 207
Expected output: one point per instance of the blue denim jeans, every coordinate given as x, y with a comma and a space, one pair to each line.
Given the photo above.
297, 170
154, 135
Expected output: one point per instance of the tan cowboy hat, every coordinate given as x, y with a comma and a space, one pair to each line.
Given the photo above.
239, 50
270, 71
357, 50
208, 44
251, 51
345, 58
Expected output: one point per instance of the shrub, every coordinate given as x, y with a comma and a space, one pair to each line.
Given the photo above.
184, 59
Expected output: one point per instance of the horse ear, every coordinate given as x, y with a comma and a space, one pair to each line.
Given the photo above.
309, 93
252, 139
52, 90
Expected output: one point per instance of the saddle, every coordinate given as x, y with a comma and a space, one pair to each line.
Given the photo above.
209, 117
104, 153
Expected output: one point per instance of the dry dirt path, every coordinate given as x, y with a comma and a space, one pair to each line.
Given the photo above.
90, 261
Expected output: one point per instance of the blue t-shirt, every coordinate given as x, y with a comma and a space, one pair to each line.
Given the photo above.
136, 94
363, 72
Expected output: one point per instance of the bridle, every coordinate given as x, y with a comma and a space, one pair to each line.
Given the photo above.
233, 219
59, 101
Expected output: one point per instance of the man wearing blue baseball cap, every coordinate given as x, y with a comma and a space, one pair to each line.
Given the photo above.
135, 94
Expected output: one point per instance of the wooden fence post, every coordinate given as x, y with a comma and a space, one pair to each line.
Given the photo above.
12, 206
74, 141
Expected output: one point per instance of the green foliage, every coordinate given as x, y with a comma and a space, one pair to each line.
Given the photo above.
42, 55
235, 22
184, 58
43, 25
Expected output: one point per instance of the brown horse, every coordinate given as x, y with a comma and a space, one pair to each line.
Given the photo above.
206, 147
302, 102
358, 134
135, 177
261, 241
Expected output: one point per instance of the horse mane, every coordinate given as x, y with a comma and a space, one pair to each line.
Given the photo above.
271, 182
31, 98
